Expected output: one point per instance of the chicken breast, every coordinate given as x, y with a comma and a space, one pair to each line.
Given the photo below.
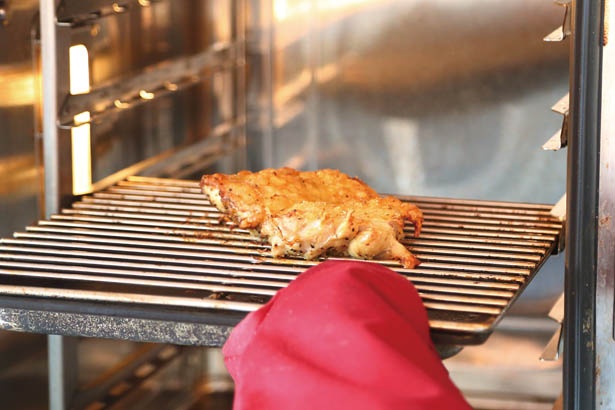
315, 213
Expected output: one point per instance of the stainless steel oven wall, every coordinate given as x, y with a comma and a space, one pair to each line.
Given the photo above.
445, 97
439, 98
19, 175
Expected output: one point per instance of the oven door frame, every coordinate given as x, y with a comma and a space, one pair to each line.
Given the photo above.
589, 362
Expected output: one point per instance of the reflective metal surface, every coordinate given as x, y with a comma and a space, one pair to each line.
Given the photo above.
443, 98
154, 74
121, 44
447, 98
19, 174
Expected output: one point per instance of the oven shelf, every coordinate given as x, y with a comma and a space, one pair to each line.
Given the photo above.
151, 259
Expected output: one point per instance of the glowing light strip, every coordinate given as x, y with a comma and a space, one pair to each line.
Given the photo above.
80, 135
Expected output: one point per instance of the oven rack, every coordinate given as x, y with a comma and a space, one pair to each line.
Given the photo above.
151, 259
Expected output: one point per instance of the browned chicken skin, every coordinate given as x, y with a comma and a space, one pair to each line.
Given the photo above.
315, 213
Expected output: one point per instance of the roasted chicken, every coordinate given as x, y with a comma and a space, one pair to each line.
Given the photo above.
315, 213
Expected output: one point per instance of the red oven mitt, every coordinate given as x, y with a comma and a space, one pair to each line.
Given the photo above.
343, 335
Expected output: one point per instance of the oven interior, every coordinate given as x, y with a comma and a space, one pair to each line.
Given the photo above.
113, 109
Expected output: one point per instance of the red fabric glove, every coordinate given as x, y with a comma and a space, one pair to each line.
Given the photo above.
343, 335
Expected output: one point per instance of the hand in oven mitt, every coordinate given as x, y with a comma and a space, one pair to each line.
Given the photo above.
343, 335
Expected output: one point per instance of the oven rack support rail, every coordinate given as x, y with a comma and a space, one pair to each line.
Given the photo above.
152, 260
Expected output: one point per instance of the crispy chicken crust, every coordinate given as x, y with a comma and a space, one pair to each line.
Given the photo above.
314, 213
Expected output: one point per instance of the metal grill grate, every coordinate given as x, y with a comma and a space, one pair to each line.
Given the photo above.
159, 243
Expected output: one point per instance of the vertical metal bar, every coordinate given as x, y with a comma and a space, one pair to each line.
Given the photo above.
313, 104
582, 203
259, 36
605, 284
240, 81
266, 46
49, 75
62, 351
63, 374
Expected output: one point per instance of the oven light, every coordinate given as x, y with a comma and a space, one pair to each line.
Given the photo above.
146, 95
171, 86
118, 8
120, 104
80, 134
281, 10
79, 70
82, 118
81, 154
